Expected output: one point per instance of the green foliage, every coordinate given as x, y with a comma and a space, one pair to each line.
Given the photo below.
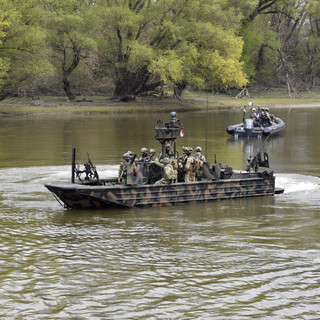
170, 42
260, 50
22, 54
140, 44
68, 25
68, 34
4, 62
168, 67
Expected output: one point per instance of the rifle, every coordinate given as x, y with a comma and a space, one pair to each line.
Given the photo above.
255, 161
133, 158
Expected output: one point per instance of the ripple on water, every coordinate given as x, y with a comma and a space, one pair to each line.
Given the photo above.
225, 260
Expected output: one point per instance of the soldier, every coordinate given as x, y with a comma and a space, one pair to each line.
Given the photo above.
264, 117
199, 165
268, 116
144, 154
253, 114
122, 173
180, 164
190, 166
153, 156
130, 153
169, 175
168, 152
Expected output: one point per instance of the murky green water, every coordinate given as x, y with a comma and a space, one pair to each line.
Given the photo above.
239, 259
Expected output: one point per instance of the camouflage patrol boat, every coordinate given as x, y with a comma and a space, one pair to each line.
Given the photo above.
218, 182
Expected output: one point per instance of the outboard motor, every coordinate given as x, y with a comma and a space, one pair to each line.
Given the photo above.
248, 126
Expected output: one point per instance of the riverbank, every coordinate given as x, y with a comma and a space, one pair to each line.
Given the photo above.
191, 102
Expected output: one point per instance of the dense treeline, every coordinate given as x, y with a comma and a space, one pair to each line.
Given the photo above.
131, 47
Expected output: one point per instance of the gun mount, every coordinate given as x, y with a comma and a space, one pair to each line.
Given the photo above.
89, 170
168, 132
257, 161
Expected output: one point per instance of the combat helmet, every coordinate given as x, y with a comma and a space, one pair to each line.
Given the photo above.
198, 149
166, 160
125, 155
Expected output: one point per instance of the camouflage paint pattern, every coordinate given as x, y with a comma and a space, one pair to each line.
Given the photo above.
142, 173
84, 196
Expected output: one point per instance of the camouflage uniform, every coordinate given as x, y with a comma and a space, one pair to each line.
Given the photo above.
153, 156
144, 155
175, 165
169, 175
190, 167
199, 164
122, 173
168, 152
268, 116
253, 114
181, 163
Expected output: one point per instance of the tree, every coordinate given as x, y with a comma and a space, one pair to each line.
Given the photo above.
68, 27
144, 44
307, 49
4, 63
259, 55
21, 48
277, 39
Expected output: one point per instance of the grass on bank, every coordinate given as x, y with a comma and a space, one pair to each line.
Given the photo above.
191, 101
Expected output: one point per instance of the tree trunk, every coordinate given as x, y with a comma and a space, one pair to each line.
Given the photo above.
67, 89
129, 85
178, 89
4, 95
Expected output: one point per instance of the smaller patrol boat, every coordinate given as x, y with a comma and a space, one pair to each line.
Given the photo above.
218, 182
258, 127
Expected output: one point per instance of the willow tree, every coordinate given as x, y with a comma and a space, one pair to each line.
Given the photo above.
143, 44
68, 28
22, 53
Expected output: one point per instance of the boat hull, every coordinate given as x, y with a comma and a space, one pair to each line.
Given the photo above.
87, 197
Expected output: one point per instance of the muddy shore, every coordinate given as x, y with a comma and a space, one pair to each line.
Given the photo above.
18, 107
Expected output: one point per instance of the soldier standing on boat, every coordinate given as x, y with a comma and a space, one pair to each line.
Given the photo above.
180, 164
199, 165
168, 152
130, 153
169, 175
144, 154
190, 166
153, 156
122, 173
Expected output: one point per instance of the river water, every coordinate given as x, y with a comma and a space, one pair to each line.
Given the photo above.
239, 259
